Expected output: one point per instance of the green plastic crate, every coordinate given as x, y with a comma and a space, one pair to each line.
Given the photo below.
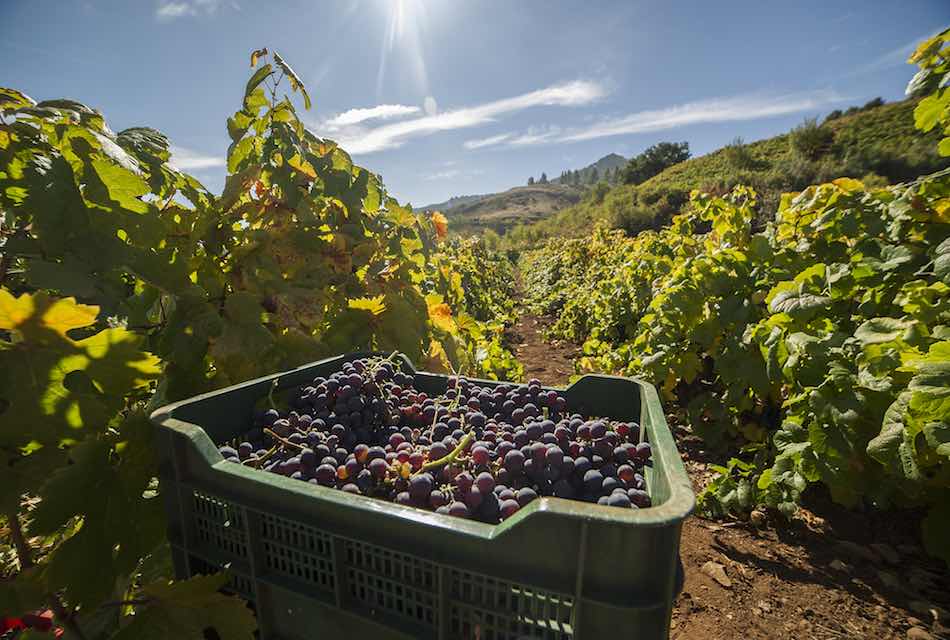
317, 563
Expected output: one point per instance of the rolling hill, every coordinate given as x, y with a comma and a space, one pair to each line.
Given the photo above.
609, 162
519, 205
877, 143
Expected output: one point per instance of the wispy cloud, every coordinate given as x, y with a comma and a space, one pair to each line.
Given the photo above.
449, 174
478, 143
893, 58
736, 108
443, 175
168, 10
362, 140
189, 160
535, 135
381, 112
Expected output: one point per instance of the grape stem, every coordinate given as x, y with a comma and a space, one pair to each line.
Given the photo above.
283, 440
450, 457
270, 394
264, 458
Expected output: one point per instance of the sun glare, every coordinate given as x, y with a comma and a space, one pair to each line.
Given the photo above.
403, 39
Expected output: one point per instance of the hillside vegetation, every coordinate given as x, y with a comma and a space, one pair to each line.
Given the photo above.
878, 145
502, 211
817, 348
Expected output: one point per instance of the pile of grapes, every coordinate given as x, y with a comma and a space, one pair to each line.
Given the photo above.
473, 452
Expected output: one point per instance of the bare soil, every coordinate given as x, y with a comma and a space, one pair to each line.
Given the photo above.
829, 574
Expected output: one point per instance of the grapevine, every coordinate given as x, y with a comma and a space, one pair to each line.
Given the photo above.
126, 284
819, 346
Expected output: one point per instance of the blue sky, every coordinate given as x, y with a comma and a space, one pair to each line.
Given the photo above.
444, 97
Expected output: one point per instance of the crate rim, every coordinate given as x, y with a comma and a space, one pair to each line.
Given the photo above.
680, 503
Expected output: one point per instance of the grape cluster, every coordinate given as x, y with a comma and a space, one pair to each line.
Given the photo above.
473, 452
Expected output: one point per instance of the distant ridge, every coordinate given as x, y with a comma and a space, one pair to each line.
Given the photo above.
519, 205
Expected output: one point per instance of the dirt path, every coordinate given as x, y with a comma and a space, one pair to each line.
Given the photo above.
830, 574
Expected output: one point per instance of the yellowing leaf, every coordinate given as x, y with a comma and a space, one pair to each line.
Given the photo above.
58, 315
441, 317
302, 166
376, 305
257, 53
52, 384
441, 224
849, 184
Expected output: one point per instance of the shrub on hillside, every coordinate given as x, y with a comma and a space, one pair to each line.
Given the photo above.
654, 160
738, 155
834, 115
810, 140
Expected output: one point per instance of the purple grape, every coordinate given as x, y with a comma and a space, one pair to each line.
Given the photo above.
485, 482
420, 486
525, 495
508, 508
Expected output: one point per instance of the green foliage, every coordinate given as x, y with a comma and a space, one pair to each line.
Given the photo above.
126, 284
738, 155
933, 80
882, 140
819, 345
655, 159
810, 140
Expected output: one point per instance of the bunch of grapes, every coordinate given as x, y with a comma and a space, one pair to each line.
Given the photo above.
473, 452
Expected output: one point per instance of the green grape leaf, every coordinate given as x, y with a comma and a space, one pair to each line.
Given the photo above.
937, 435
184, 609
83, 566
74, 489
942, 257
69, 384
788, 297
69, 277
929, 112
882, 330
255, 81
11, 99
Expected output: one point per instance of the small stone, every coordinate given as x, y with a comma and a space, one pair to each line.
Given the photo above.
717, 572
854, 550
887, 552
928, 609
916, 633
764, 606
837, 565
758, 519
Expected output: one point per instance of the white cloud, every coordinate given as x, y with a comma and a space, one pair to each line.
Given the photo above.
188, 160
448, 174
535, 136
430, 105
736, 108
893, 58
443, 175
361, 140
381, 111
478, 143
171, 9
